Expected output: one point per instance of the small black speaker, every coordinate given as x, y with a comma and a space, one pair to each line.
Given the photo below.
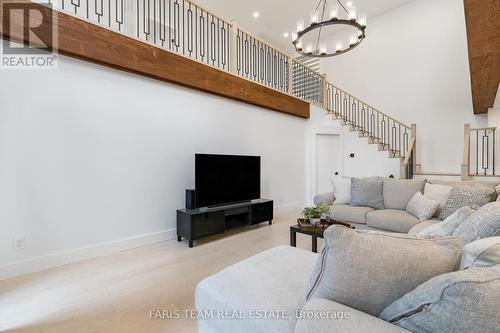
190, 199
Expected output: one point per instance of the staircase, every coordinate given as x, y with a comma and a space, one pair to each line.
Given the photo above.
398, 139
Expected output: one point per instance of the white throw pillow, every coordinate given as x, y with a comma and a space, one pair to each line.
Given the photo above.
342, 190
437, 192
449, 225
485, 222
421, 207
481, 253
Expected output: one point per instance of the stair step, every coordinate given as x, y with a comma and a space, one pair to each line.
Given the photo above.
394, 154
383, 146
363, 134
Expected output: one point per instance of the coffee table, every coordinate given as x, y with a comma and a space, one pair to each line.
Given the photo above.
315, 234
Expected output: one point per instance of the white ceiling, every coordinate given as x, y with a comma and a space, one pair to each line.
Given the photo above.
280, 16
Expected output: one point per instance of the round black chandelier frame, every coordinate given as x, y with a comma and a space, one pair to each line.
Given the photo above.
319, 25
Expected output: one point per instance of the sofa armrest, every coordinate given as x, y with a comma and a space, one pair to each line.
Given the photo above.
338, 318
326, 198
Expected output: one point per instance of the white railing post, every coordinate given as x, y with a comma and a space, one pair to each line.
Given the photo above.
234, 47
414, 159
290, 74
465, 172
130, 25
325, 92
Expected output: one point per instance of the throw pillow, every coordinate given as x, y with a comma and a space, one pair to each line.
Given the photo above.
367, 192
421, 207
497, 192
439, 193
484, 223
397, 193
459, 302
481, 253
342, 190
368, 270
448, 226
461, 196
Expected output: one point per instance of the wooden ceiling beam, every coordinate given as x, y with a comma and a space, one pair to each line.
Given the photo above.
482, 18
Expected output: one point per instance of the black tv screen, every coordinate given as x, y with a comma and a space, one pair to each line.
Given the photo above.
223, 179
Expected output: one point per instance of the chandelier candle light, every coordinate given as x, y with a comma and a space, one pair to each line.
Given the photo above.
327, 16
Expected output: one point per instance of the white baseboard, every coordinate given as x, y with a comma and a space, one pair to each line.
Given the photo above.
66, 257
289, 206
42, 263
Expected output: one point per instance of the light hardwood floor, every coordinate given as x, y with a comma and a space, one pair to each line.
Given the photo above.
115, 293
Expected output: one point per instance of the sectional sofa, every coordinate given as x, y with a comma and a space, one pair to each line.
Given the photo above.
271, 291
393, 218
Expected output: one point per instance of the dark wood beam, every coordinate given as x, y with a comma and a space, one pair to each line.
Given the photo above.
89, 42
482, 18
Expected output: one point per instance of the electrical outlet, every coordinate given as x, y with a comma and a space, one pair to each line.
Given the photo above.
19, 243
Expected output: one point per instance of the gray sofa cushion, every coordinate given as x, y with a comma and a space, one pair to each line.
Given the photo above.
273, 279
391, 220
459, 302
397, 193
470, 196
368, 270
338, 318
484, 183
485, 222
422, 225
481, 253
448, 226
349, 214
367, 192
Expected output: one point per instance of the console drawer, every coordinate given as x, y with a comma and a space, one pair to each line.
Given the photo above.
261, 212
207, 224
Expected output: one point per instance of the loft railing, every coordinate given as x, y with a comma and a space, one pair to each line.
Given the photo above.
175, 25
185, 28
307, 84
261, 63
479, 151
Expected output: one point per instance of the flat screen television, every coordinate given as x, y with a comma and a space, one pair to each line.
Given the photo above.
225, 179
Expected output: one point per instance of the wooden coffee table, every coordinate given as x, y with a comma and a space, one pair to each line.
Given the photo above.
314, 233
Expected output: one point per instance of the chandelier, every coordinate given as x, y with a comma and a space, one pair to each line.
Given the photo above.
326, 16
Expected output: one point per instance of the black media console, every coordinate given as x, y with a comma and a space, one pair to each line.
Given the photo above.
196, 223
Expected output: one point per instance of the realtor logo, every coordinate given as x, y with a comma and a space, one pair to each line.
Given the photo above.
29, 35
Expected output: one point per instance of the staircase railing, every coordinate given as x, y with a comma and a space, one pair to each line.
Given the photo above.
379, 127
479, 152
189, 30
408, 167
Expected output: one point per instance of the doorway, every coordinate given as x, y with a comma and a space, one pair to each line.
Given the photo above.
328, 160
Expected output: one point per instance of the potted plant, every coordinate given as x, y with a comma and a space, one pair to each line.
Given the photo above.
314, 214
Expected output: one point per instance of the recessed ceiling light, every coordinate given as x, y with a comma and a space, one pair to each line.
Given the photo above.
256, 14
349, 4
285, 35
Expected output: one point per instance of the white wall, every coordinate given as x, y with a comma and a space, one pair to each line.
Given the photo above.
94, 160
413, 65
368, 160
